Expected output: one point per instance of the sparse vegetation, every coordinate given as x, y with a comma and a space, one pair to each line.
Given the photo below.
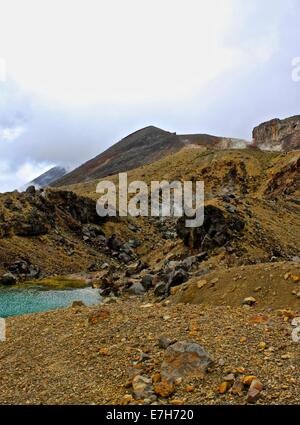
231, 287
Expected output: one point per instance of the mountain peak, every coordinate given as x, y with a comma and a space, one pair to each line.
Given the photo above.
47, 178
141, 147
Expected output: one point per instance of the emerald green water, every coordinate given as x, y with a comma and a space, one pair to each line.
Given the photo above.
17, 301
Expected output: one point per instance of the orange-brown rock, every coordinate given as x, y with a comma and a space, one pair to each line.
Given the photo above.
164, 389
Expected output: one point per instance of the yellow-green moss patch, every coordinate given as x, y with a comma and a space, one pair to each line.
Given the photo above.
59, 282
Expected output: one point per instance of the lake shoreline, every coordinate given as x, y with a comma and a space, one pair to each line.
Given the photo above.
21, 299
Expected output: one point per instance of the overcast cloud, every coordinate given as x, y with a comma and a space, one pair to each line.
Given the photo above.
82, 74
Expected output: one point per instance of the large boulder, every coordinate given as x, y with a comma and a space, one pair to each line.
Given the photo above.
136, 289
8, 279
161, 289
177, 277
184, 359
114, 243
23, 269
91, 231
218, 228
147, 281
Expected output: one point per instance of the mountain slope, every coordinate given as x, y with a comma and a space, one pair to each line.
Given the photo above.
265, 186
150, 144
143, 147
47, 178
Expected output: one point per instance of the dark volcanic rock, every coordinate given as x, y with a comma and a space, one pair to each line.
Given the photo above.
114, 243
147, 281
33, 224
8, 279
23, 269
30, 190
136, 289
177, 277
160, 289
218, 229
42, 211
80, 208
164, 342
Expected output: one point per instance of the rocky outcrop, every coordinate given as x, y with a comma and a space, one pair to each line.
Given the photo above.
8, 279
278, 135
218, 229
35, 213
286, 182
48, 232
23, 269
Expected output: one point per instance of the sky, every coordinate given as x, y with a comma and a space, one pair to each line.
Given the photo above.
78, 75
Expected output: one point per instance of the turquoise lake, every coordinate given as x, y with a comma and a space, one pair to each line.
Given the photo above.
17, 301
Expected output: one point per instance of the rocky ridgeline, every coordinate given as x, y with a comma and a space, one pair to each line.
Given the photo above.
151, 144
35, 213
58, 214
219, 227
278, 135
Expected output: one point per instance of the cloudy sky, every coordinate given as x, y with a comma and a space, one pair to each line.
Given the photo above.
76, 76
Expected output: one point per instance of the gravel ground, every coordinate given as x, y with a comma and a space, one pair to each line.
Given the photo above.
84, 355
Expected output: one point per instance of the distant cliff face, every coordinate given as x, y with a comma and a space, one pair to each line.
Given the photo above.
278, 135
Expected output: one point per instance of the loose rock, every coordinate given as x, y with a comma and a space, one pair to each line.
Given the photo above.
254, 392
184, 359
142, 387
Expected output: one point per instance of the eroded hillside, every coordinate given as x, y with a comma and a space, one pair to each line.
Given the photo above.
228, 290
251, 217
